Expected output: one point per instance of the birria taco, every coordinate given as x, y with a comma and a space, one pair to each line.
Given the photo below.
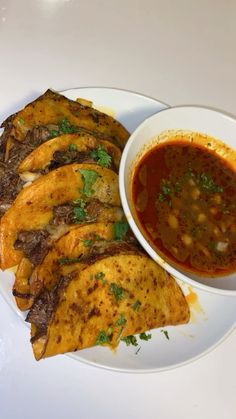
54, 204
52, 115
115, 297
71, 148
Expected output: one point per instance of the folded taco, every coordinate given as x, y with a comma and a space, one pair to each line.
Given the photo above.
111, 299
72, 194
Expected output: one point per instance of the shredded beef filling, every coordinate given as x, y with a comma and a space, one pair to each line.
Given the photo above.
41, 313
43, 308
34, 244
60, 158
65, 214
10, 182
103, 249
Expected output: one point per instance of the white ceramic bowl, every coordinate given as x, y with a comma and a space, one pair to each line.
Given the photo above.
186, 118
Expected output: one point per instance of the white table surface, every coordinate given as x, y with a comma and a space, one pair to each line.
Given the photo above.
180, 52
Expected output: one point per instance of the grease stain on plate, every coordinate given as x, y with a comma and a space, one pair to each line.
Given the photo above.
195, 306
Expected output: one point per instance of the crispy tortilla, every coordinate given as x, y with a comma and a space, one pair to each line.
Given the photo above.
93, 302
30, 281
77, 249
33, 208
69, 247
86, 243
42, 157
52, 107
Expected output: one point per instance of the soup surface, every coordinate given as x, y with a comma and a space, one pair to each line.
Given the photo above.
185, 201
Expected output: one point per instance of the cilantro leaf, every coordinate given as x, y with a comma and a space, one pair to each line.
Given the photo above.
100, 277
120, 230
68, 261
136, 353
65, 127
89, 178
80, 202
165, 333
121, 321
161, 197
166, 189
118, 292
136, 305
53, 133
101, 156
145, 336
72, 147
103, 338
88, 242
207, 184
130, 340
79, 214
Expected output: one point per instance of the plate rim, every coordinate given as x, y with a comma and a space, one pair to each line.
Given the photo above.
120, 89
159, 369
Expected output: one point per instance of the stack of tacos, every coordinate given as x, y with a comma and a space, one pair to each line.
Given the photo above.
79, 271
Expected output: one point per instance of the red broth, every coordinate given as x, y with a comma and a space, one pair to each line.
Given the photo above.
185, 201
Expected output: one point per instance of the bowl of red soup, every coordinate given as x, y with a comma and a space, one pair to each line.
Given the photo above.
178, 190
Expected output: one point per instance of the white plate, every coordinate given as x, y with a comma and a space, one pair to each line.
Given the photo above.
213, 317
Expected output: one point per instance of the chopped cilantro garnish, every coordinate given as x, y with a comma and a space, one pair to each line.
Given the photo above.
118, 292
21, 120
72, 147
145, 336
65, 127
88, 243
121, 321
89, 178
68, 261
161, 197
166, 189
101, 156
207, 184
53, 133
79, 214
136, 305
100, 277
80, 202
120, 229
130, 340
98, 238
103, 337
165, 333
